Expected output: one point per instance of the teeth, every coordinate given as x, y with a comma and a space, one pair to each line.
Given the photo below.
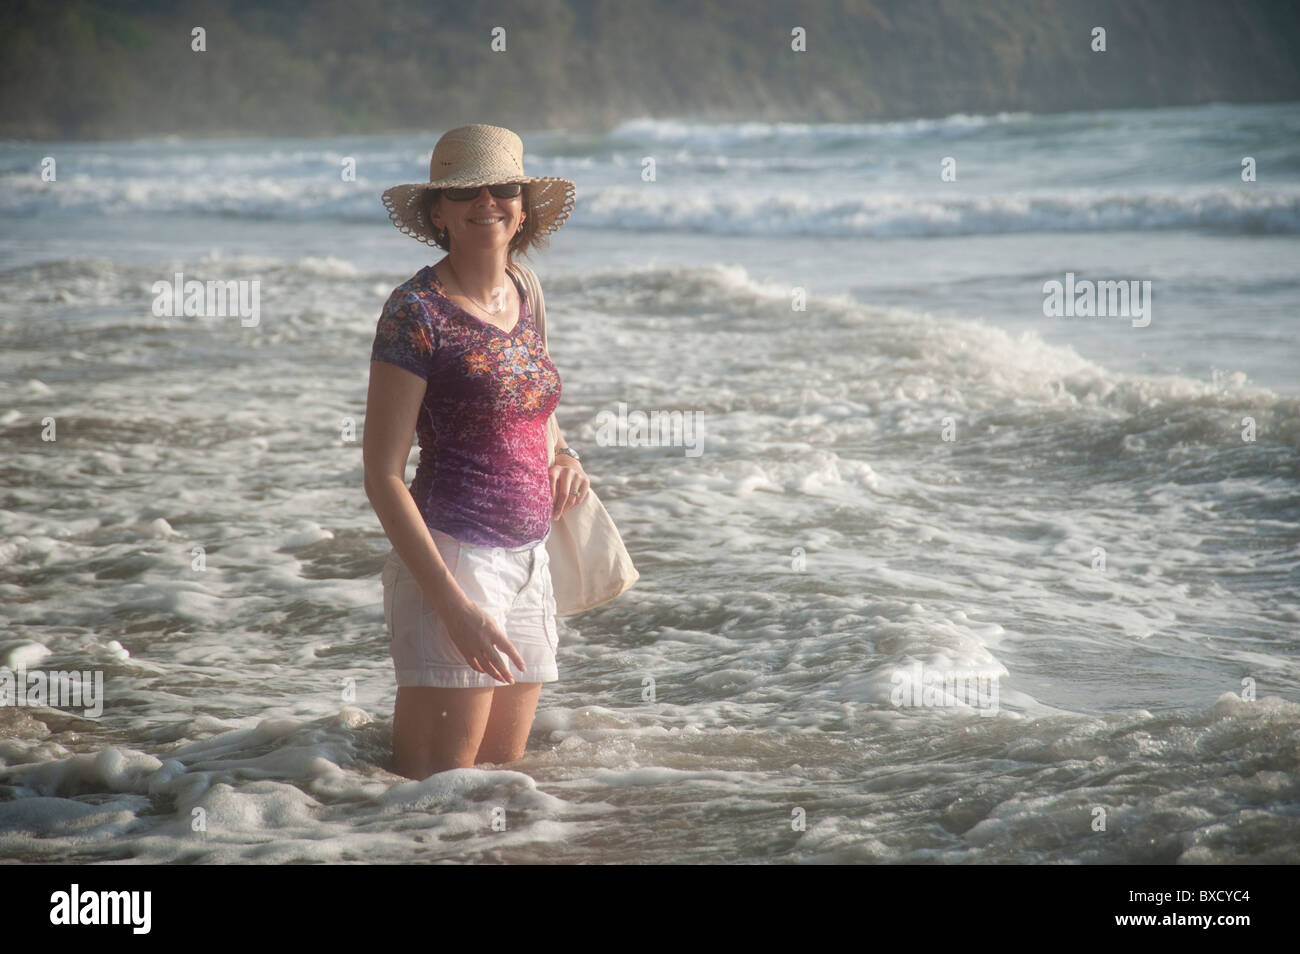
484, 221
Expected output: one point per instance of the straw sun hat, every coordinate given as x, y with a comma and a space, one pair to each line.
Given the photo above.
477, 155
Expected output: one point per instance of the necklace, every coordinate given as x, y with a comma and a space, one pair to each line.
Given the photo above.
471, 300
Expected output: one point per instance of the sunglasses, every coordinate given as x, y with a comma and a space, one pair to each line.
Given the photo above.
507, 191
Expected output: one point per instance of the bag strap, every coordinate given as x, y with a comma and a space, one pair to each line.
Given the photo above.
536, 302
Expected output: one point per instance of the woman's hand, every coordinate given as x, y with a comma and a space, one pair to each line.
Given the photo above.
478, 638
569, 485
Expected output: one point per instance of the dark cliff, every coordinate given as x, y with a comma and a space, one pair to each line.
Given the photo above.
89, 69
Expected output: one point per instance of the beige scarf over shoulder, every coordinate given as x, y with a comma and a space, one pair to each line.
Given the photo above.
589, 564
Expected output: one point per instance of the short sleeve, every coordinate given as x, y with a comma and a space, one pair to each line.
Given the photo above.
405, 335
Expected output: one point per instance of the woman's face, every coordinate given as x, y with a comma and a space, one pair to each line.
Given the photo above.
483, 223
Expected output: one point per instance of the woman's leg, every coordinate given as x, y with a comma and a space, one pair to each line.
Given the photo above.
437, 729
509, 722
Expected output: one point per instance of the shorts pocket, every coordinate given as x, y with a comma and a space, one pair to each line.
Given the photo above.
439, 650
389, 578
413, 621
548, 604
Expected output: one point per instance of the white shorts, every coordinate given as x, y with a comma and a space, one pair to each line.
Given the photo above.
512, 584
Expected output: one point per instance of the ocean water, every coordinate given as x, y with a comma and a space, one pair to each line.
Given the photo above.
906, 471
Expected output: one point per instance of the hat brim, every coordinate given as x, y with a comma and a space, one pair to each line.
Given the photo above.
408, 206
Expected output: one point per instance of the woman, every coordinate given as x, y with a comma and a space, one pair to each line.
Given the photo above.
457, 360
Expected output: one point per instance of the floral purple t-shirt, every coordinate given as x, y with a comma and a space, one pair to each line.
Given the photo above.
483, 475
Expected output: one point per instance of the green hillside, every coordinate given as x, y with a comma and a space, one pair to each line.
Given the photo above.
89, 70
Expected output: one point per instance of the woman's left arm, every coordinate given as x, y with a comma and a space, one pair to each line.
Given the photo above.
566, 475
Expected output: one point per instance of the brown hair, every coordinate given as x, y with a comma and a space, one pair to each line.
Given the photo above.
523, 242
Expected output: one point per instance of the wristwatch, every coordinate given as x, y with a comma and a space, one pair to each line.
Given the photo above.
568, 450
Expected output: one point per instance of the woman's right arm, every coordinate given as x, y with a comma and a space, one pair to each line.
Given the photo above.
392, 407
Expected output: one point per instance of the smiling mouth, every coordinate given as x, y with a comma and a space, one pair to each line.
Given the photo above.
486, 221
